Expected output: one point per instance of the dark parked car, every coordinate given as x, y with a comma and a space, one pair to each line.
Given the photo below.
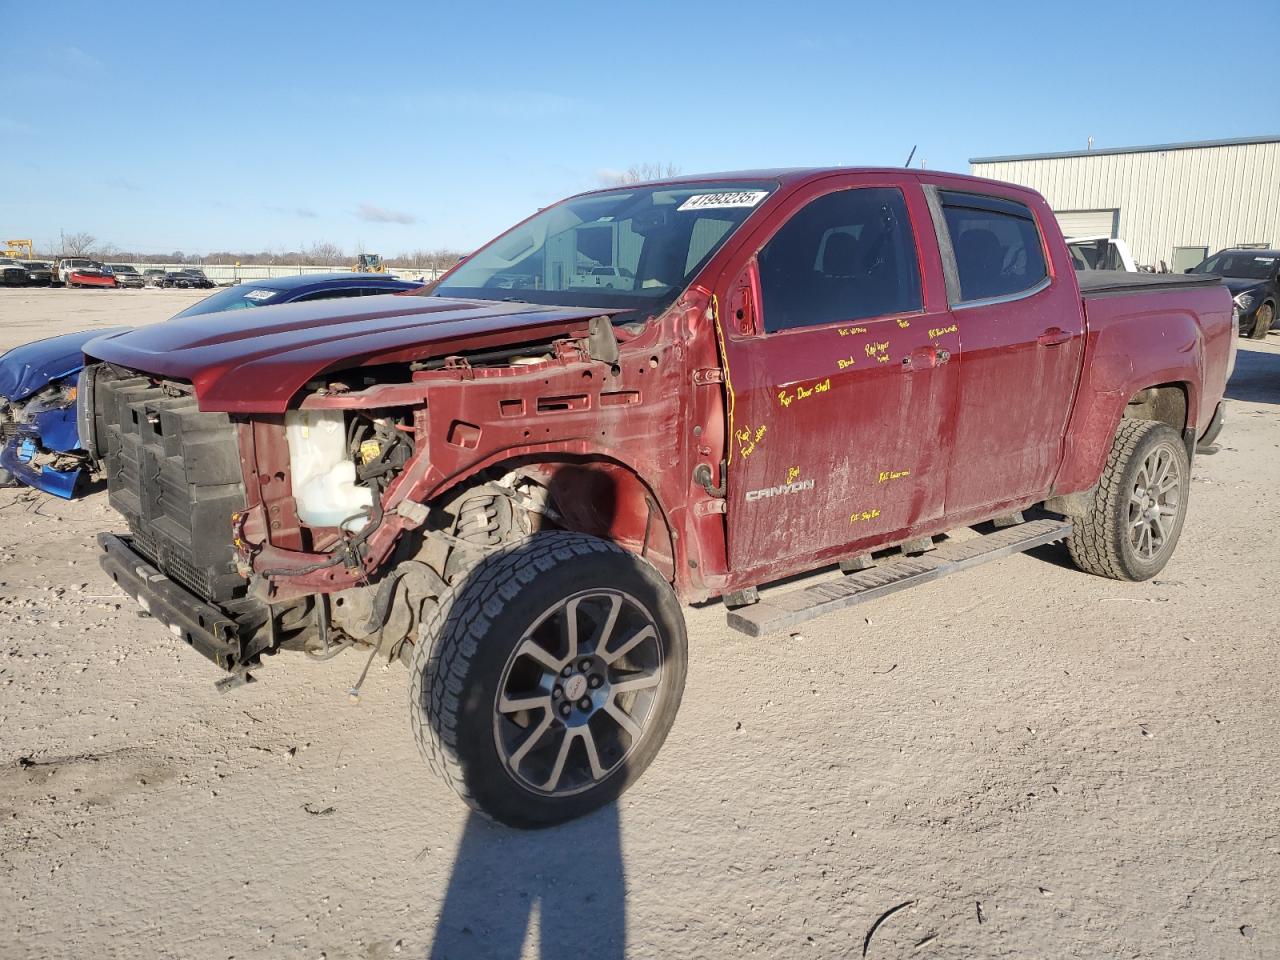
316, 286
127, 275
186, 278
39, 272
40, 441
1253, 277
12, 273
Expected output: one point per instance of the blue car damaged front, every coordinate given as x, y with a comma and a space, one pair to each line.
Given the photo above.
39, 440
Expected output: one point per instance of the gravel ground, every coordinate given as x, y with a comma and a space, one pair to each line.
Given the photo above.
1027, 760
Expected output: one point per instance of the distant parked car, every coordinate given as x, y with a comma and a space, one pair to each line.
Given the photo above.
91, 273
1253, 277
39, 382
12, 273
127, 275
88, 273
39, 272
152, 278
608, 278
186, 278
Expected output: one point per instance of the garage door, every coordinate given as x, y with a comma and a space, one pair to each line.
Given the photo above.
1088, 223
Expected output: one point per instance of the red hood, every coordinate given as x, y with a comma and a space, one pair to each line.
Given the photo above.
256, 360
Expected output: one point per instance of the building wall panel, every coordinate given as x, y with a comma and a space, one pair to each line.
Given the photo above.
1216, 196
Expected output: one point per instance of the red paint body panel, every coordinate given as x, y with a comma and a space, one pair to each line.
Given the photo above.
256, 361
1022, 406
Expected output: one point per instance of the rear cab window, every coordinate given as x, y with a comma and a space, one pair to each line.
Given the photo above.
998, 249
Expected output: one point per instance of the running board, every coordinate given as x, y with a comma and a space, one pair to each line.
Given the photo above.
785, 610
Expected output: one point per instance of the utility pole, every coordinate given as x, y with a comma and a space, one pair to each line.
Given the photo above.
1090, 144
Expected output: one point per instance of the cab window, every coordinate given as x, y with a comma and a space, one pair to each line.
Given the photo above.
844, 256
997, 245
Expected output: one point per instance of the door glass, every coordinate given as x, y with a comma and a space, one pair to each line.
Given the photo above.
997, 245
844, 256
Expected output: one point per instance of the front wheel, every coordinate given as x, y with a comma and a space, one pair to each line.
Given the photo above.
548, 677
1262, 321
1137, 511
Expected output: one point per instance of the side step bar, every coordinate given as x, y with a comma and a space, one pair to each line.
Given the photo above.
786, 610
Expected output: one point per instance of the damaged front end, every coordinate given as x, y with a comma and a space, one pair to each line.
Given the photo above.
41, 447
40, 443
305, 530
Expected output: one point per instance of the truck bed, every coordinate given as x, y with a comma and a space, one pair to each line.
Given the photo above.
1102, 283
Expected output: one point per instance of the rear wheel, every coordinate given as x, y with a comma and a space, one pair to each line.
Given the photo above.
1136, 515
548, 677
1262, 321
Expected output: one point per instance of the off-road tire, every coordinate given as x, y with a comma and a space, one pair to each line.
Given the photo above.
1099, 541
1262, 321
464, 647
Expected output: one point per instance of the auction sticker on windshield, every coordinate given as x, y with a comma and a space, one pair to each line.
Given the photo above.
260, 294
737, 198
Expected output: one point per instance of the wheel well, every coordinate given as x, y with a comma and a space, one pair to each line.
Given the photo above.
592, 495
1166, 403
606, 499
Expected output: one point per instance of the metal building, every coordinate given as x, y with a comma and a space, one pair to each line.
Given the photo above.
1173, 202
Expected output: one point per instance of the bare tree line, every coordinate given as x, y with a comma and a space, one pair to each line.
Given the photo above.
640, 172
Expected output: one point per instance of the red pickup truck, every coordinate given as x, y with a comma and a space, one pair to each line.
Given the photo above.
512, 479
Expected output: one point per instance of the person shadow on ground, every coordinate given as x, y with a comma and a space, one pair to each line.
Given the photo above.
570, 877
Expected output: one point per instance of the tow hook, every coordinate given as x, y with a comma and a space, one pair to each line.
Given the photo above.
702, 477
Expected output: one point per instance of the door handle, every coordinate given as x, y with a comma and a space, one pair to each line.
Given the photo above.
1052, 337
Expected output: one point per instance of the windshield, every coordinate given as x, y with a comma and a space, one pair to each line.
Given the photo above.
1240, 263
122, 268
635, 247
233, 298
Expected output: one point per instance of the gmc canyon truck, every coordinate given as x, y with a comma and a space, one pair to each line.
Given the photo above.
512, 482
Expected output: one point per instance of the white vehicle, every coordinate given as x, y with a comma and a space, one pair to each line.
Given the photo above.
609, 278
1101, 253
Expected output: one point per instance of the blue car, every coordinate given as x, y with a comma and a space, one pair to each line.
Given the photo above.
39, 382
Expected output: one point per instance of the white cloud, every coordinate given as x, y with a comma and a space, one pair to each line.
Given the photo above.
376, 214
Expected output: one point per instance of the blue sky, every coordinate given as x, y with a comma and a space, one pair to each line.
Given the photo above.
403, 126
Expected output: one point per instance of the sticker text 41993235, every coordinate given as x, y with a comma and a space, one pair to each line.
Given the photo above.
732, 198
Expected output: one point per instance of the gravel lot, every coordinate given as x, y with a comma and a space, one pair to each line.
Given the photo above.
1036, 762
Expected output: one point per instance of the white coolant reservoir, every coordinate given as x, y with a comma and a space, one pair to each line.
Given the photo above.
324, 475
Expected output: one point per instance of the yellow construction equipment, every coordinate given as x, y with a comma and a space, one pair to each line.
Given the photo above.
18, 249
369, 263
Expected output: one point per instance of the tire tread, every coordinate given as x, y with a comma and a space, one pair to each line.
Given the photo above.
1095, 541
452, 635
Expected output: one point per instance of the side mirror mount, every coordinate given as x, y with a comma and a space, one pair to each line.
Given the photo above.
742, 303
